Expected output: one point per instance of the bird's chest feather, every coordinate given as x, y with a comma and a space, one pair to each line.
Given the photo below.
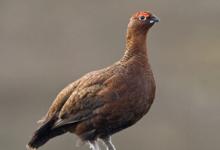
140, 93
139, 81
132, 86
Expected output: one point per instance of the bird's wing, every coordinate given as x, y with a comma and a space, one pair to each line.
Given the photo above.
69, 98
82, 104
59, 101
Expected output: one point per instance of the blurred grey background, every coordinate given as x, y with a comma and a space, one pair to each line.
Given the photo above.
46, 44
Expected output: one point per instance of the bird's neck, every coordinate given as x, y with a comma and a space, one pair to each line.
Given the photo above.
136, 45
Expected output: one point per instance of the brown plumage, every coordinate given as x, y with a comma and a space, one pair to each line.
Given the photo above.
106, 101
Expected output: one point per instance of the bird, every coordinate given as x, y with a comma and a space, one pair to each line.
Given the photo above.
106, 101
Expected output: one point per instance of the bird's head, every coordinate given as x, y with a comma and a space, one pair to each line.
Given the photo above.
142, 21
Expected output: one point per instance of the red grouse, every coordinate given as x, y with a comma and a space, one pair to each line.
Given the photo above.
105, 101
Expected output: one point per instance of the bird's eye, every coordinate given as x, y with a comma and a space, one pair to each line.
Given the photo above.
142, 18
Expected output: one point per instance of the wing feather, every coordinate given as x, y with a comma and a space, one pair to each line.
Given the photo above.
59, 101
80, 106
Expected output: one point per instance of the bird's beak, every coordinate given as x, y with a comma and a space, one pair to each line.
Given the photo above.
154, 19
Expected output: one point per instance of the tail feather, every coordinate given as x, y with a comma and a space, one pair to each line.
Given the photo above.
45, 133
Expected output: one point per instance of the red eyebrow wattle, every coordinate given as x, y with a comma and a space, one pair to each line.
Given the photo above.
138, 14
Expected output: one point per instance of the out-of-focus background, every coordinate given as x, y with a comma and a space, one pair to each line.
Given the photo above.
46, 44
